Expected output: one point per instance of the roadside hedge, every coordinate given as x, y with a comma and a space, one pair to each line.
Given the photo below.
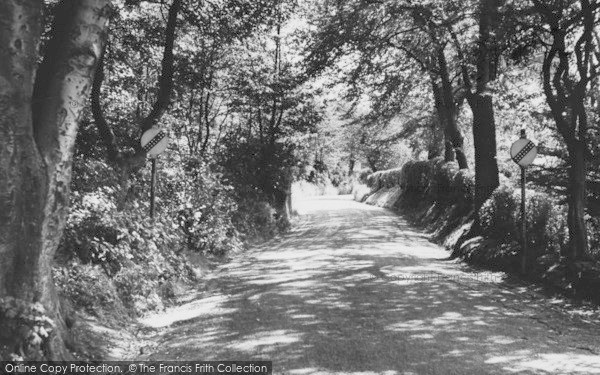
439, 196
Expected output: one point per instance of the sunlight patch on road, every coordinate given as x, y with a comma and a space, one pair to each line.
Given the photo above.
409, 325
423, 336
270, 338
316, 371
501, 340
206, 306
448, 318
552, 363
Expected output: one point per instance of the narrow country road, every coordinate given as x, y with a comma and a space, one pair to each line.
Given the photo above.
353, 289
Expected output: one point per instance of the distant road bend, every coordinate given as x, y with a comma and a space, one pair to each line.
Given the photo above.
353, 289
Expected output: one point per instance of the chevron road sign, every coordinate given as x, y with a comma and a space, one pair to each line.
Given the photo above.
523, 152
154, 142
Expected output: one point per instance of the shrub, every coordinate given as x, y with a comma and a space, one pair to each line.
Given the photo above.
415, 178
463, 189
138, 255
88, 288
364, 174
24, 330
256, 219
546, 224
594, 236
441, 180
497, 215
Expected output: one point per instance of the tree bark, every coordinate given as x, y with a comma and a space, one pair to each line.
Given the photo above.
23, 178
484, 140
351, 163
436, 141
38, 141
441, 115
450, 112
578, 243
484, 125
165, 85
566, 98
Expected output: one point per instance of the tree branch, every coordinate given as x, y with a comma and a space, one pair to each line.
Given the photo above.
167, 71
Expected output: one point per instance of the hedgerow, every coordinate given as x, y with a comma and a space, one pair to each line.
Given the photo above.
115, 259
440, 196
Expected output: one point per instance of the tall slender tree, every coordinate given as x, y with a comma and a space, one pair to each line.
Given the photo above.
570, 64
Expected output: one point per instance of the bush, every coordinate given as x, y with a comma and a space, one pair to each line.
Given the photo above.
259, 170
546, 224
204, 209
497, 215
363, 174
594, 236
89, 288
414, 178
257, 219
25, 330
441, 197
441, 183
138, 256
463, 189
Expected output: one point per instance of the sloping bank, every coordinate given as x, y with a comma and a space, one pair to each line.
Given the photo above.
439, 197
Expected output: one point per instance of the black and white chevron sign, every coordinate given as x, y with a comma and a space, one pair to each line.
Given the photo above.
523, 152
154, 141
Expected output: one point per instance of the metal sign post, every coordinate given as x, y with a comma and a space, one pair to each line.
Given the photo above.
523, 220
152, 188
523, 152
154, 141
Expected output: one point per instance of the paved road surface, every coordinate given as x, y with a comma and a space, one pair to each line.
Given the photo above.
354, 289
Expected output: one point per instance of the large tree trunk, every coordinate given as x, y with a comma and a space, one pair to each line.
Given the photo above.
37, 143
22, 176
578, 243
484, 125
484, 140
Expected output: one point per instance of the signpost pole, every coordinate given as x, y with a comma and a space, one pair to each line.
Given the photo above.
523, 152
154, 141
523, 222
523, 215
152, 188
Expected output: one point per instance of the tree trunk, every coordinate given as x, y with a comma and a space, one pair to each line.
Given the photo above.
436, 141
351, 163
484, 140
484, 125
566, 98
39, 126
441, 115
578, 244
451, 112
